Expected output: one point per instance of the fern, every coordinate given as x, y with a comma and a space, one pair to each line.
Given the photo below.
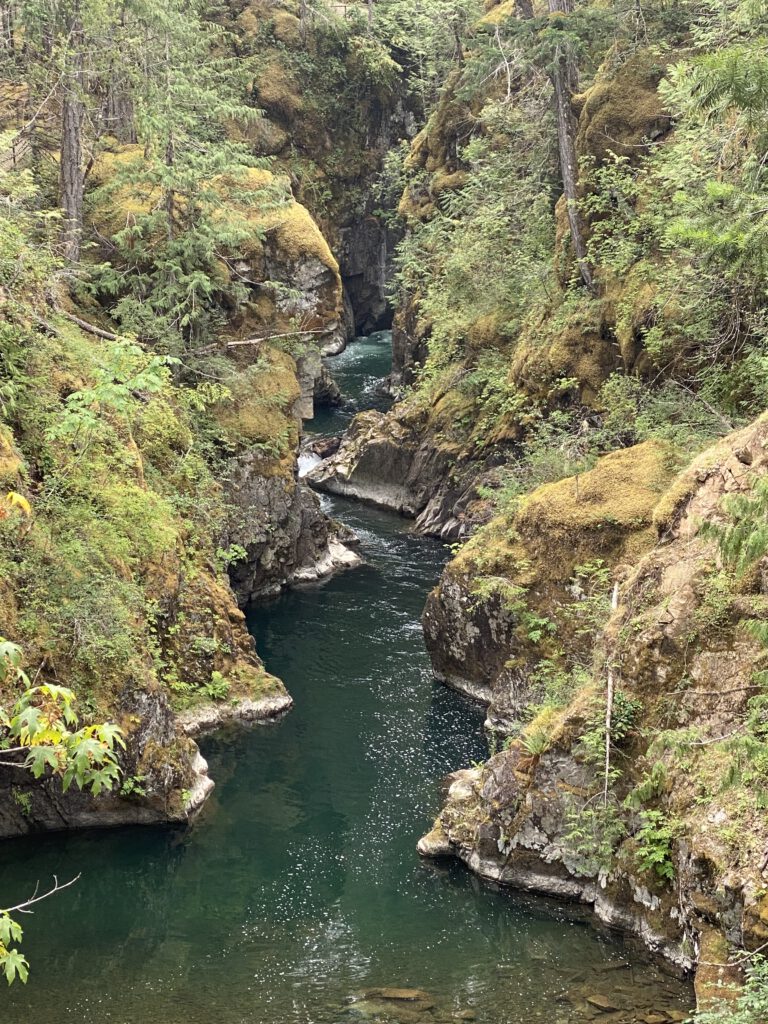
744, 540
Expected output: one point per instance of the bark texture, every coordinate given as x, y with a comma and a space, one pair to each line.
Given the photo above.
565, 80
71, 176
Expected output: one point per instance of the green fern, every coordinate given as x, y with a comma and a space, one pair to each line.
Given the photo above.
744, 540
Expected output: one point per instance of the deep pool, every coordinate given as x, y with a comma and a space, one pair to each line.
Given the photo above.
299, 888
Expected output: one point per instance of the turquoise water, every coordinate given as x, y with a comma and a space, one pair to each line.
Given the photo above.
299, 887
359, 371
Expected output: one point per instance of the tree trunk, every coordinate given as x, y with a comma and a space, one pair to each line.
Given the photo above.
170, 145
457, 41
565, 79
525, 8
7, 20
370, 17
71, 181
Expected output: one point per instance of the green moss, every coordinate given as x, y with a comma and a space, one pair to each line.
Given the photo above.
623, 109
260, 408
11, 463
278, 91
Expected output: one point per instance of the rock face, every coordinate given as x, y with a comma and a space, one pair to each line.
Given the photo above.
387, 460
364, 255
281, 526
511, 590
200, 720
174, 778
410, 346
531, 816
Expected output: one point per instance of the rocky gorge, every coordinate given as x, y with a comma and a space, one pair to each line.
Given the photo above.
574, 413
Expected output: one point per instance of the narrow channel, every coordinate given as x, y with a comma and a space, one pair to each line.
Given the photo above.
299, 889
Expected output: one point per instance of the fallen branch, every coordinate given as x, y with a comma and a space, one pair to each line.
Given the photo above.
256, 341
90, 328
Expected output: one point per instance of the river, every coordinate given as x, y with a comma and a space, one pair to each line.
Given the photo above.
299, 888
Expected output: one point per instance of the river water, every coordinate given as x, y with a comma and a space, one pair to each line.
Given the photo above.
299, 887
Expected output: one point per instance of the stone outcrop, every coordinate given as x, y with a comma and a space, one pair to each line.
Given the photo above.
206, 718
509, 600
364, 249
174, 779
389, 461
675, 647
281, 525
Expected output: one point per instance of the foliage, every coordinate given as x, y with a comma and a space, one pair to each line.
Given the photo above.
743, 538
624, 716
750, 1004
655, 839
184, 89
41, 732
594, 830
42, 725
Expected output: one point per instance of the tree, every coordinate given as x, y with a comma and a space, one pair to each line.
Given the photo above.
564, 74
186, 93
41, 733
565, 78
66, 51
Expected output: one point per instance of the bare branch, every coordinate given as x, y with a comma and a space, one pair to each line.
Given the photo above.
23, 908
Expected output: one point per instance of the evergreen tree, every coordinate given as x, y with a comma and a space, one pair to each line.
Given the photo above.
185, 94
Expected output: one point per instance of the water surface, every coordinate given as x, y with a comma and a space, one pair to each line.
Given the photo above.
299, 887
360, 372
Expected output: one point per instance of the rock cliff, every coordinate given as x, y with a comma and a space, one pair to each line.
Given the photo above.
685, 670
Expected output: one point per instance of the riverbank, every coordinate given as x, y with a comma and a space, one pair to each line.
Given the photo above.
299, 887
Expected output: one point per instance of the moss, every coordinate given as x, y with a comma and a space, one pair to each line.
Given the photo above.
623, 108
11, 462
113, 207
606, 512
260, 410
716, 980
571, 344
278, 91
286, 28
272, 210
447, 181
204, 632
499, 13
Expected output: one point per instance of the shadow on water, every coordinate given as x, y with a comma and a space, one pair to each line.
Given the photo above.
299, 887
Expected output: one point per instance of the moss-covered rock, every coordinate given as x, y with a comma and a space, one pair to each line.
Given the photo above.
674, 646
622, 111
483, 623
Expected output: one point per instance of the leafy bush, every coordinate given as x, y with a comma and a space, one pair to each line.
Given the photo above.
750, 1005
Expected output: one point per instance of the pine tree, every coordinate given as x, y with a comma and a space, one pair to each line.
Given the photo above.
184, 93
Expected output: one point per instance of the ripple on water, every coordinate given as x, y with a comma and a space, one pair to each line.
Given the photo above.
299, 890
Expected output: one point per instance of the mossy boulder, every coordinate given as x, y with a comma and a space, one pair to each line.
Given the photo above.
520, 567
622, 112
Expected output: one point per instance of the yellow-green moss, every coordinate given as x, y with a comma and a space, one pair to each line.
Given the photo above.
623, 108
496, 15
278, 91
274, 211
606, 512
260, 408
11, 463
570, 345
